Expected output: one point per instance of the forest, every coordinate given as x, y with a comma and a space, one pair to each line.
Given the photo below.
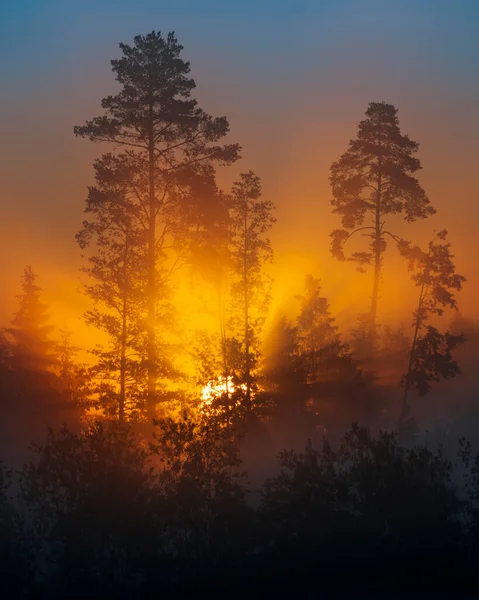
206, 441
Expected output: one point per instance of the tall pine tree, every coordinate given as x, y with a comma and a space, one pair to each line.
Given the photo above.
158, 123
371, 182
250, 249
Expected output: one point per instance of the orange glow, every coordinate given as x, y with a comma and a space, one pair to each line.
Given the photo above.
216, 388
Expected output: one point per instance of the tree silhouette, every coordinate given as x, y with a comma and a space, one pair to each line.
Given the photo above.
88, 496
166, 135
430, 353
212, 262
369, 499
283, 371
371, 181
15, 552
250, 249
113, 244
318, 337
201, 480
74, 377
32, 347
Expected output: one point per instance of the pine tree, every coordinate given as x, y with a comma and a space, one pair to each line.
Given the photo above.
372, 181
250, 250
167, 137
113, 243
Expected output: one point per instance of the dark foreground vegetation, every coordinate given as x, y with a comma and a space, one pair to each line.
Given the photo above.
103, 513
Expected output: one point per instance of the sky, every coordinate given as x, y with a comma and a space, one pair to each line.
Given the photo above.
294, 79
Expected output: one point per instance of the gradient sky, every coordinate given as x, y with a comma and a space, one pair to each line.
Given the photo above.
293, 77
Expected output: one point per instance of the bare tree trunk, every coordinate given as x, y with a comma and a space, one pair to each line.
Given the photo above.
377, 263
121, 406
224, 354
246, 312
151, 350
405, 410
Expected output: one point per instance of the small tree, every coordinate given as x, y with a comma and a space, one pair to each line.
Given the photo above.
373, 180
32, 348
430, 353
250, 249
318, 338
73, 376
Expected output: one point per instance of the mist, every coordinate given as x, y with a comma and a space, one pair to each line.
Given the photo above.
239, 333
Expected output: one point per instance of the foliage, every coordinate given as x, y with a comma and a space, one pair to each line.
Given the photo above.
435, 275
373, 180
199, 478
433, 359
170, 149
250, 249
369, 499
88, 497
32, 348
14, 548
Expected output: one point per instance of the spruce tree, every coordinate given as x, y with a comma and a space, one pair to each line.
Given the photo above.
32, 347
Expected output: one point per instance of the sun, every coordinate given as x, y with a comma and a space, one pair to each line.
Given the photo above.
217, 387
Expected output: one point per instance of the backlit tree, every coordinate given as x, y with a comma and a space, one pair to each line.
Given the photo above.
250, 249
161, 129
372, 182
430, 355
112, 241
32, 347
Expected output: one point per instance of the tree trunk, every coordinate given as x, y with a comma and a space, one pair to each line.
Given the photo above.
121, 407
124, 308
224, 355
377, 261
405, 407
246, 312
151, 351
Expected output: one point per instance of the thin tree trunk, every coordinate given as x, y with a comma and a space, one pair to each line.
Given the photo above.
151, 350
121, 406
405, 407
377, 260
224, 353
246, 311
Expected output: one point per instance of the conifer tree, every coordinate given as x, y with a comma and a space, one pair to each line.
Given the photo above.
167, 137
430, 355
32, 347
318, 338
113, 243
74, 377
250, 249
372, 182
